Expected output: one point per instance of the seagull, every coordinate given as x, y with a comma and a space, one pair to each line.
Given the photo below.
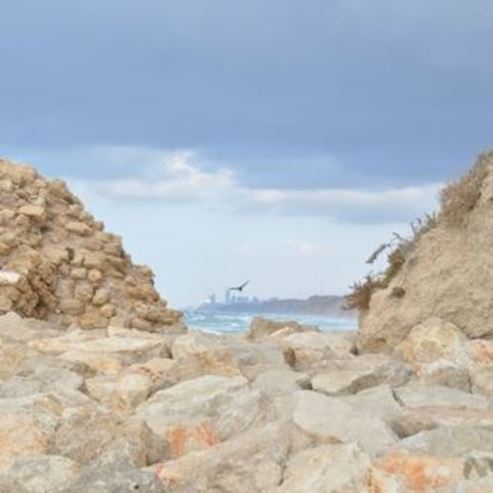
240, 288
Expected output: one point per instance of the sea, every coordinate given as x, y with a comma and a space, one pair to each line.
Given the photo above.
235, 323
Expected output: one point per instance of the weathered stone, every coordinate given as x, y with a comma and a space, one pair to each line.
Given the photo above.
312, 348
119, 477
202, 412
41, 474
432, 341
127, 349
327, 469
280, 382
34, 211
332, 421
86, 436
248, 463
415, 396
378, 402
453, 441
412, 421
404, 472
26, 426
9, 278
261, 328
482, 382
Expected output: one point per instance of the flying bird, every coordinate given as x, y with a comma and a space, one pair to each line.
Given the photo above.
240, 288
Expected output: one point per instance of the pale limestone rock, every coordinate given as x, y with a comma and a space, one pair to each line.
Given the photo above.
280, 382
9, 278
378, 402
327, 469
27, 425
415, 420
202, 412
405, 472
310, 348
432, 341
338, 382
415, 396
452, 441
127, 349
482, 382
330, 420
87, 436
118, 477
15, 328
251, 462
34, 211
41, 474
261, 328
483, 485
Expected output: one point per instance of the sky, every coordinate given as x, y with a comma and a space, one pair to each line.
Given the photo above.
231, 140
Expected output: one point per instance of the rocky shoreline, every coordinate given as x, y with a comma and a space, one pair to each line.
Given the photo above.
283, 408
104, 390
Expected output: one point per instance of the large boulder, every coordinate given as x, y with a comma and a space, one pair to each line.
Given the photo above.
444, 272
203, 412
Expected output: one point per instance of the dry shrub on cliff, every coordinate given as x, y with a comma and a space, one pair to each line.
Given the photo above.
460, 197
400, 249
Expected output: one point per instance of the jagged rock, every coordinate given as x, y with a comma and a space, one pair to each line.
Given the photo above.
452, 441
352, 375
119, 477
415, 396
127, 350
327, 469
261, 328
378, 402
27, 425
330, 420
274, 383
202, 412
312, 348
412, 421
87, 436
40, 474
58, 264
251, 462
404, 472
432, 341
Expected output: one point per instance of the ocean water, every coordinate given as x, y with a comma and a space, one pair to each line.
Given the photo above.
234, 323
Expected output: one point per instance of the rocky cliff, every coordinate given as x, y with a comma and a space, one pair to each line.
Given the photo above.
445, 272
58, 264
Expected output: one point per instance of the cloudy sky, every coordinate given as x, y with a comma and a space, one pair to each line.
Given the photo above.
277, 141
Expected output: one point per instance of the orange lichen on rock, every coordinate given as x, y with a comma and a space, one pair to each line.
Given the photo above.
183, 439
418, 473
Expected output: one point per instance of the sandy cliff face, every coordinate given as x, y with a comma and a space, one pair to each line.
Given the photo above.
448, 274
58, 264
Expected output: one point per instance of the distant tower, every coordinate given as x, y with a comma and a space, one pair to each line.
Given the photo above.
227, 297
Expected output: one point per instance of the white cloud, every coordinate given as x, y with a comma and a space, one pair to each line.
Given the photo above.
184, 177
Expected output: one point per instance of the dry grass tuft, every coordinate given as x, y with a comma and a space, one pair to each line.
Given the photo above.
460, 197
400, 250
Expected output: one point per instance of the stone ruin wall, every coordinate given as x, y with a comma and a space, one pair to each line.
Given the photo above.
58, 264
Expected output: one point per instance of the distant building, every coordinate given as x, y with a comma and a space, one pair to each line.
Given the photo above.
227, 297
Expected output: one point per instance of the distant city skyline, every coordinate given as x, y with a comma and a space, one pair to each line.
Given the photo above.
280, 140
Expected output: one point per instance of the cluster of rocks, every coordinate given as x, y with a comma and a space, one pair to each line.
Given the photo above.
404, 405
58, 264
283, 408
